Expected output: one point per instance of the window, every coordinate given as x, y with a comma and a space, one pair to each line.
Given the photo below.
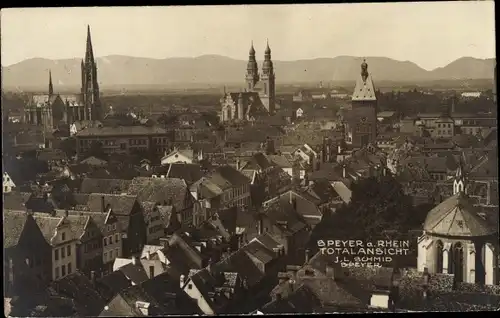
111, 240
105, 241
105, 256
117, 237
63, 253
63, 236
68, 250
57, 272
69, 268
190, 286
117, 251
114, 227
109, 228
63, 270
56, 254
111, 254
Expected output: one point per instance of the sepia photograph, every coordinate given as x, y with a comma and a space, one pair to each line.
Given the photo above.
203, 160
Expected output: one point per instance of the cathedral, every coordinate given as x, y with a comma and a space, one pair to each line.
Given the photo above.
259, 96
50, 110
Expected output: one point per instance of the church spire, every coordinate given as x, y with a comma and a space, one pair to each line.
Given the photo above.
51, 87
459, 185
89, 53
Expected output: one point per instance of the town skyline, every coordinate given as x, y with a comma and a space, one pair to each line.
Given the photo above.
282, 25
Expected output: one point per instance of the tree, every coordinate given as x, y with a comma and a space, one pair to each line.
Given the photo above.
377, 205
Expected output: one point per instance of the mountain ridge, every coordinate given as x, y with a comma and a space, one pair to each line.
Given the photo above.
210, 69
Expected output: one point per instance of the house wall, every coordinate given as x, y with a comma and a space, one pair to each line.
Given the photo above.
192, 291
63, 266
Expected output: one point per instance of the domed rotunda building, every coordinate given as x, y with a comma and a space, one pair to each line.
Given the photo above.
458, 240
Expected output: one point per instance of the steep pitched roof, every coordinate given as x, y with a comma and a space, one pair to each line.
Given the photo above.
13, 224
188, 172
78, 287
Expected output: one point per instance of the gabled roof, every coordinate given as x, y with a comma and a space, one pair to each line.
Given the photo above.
110, 285
188, 172
13, 225
78, 287
122, 204
456, 216
161, 190
94, 185
188, 153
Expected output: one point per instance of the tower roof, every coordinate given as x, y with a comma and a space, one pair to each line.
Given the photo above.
457, 216
268, 49
252, 50
364, 89
89, 53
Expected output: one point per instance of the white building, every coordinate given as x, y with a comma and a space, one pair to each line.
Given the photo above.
458, 240
8, 184
178, 156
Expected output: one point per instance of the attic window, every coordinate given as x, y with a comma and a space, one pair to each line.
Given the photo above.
190, 286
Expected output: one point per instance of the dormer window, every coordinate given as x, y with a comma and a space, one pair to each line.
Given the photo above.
63, 236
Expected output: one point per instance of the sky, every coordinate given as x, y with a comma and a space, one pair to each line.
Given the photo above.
430, 34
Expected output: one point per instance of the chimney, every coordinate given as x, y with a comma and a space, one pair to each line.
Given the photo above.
344, 172
135, 261
307, 256
103, 205
148, 255
92, 277
238, 164
66, 213
151, 271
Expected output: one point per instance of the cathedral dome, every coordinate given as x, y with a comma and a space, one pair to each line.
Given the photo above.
457, 216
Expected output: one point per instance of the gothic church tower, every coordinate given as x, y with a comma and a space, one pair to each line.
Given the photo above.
90, 86
252, 76
268, 79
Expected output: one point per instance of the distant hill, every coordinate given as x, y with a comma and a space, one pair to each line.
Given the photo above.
125, 71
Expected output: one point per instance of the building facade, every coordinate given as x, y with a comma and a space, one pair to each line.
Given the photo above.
48, 110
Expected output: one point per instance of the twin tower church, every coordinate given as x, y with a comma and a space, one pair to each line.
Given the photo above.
50, 110
259, 96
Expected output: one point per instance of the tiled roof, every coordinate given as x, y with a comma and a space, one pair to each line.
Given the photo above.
13, 224
228, 177
110, 285
16, 200
94, 185
135, 273
121, 131
170, 190
78, 287
188, 172
94, 161
456, 216
121, 204
47, 225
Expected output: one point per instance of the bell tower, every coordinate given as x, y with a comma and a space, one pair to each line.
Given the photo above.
459, 184
268, 79
90, 85
252, 76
